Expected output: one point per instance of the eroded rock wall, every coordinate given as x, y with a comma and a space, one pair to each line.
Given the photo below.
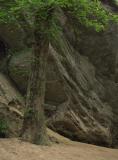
11, 107
81, 90
81, 98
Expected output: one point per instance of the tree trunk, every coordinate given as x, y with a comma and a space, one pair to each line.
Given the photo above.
34, 127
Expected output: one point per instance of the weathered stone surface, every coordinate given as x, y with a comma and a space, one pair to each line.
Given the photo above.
12, 35
102, 51
11, 106
19, 68
82, 116
81, 91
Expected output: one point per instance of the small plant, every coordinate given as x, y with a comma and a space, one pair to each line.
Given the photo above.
3, 128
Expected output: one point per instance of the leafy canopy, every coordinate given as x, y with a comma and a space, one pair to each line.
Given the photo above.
88, 12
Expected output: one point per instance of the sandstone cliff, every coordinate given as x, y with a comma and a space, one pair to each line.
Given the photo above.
82, 81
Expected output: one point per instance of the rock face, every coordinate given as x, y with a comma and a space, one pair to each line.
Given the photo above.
11, 105
81, 99
82, 91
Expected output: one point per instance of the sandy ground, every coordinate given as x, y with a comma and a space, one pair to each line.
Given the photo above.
13, 149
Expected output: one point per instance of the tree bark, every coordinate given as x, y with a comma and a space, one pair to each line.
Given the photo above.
34, 127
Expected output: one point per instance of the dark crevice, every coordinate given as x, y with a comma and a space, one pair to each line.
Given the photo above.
3, 49
3, 135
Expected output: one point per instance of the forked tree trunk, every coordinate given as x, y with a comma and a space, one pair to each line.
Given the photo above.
34, 127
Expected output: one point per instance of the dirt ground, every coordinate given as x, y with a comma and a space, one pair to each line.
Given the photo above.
13, 149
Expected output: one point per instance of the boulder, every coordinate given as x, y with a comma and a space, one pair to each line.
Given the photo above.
19, 68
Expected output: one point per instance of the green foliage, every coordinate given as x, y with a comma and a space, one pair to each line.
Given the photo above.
3, 127
88, 12
92, 15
